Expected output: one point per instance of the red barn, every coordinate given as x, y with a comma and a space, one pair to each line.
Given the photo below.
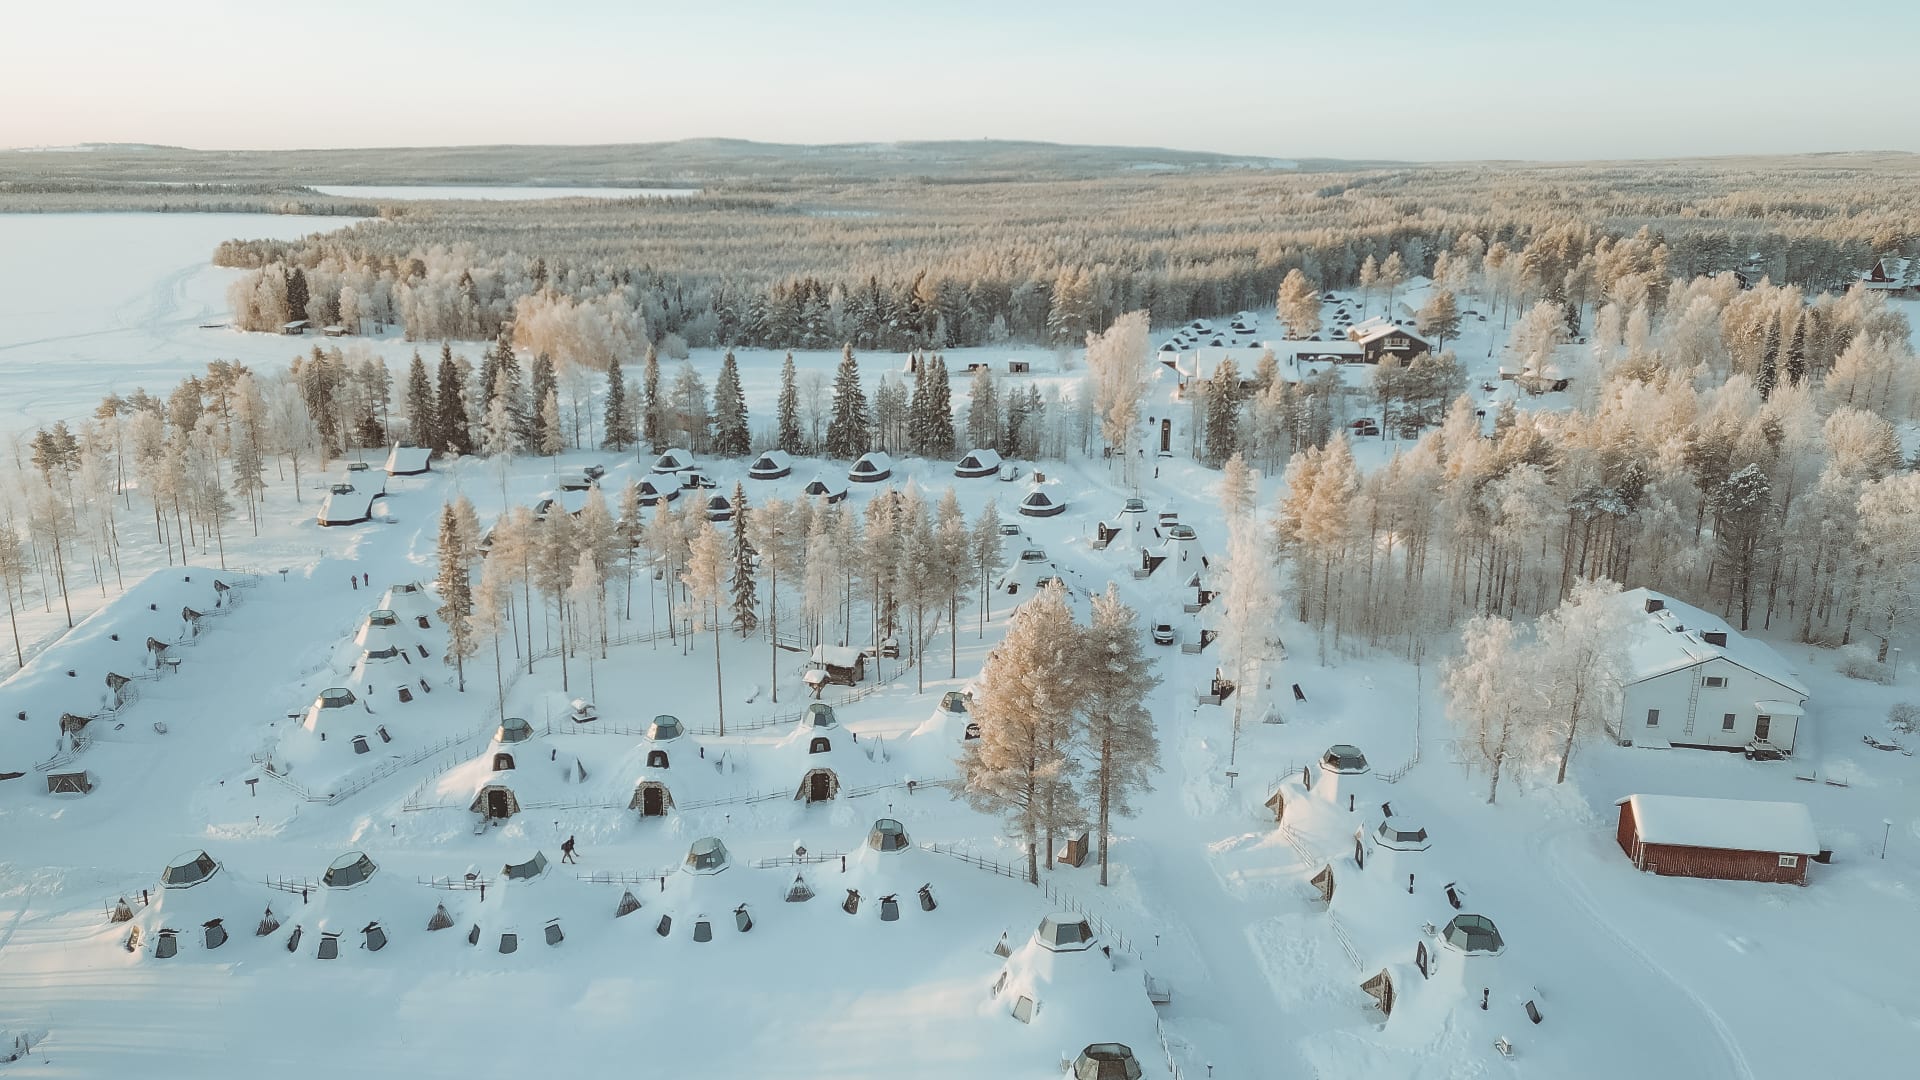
1731, 839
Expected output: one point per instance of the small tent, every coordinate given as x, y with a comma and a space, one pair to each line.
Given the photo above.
771, 465
977, 464
1039, 504
871, 468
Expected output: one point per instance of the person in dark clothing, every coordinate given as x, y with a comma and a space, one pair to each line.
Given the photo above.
353, 581
366, 580
566, 851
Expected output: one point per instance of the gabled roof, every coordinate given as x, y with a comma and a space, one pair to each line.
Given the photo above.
1724, 824
1673, 639
1379, 327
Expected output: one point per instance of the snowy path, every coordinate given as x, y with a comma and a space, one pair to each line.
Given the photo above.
1544, 849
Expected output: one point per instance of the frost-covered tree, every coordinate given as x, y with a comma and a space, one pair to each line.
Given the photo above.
1439, 318
1239, 489
1742, 509
618, 423
983, 411
422, 411
1583, 664
1117, 366
451, 432
705, 576
1117, 727
986, 555
1252, 605
773, 531
1490, 688
1298, 305
492, 618
553, 438
731, 436
652, 405
456, 592
848, 435
1024, 701
1889, 542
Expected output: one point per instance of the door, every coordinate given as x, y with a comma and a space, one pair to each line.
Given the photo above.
819, 788
652, 802
1166, 436
1762, 724
497, 804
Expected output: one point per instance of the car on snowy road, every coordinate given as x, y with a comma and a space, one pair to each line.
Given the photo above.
1162, 632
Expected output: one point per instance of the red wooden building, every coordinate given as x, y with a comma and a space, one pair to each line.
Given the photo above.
1731, 839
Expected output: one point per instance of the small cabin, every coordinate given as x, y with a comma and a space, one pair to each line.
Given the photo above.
837, 664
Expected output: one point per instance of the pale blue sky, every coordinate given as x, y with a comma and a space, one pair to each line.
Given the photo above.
1380, 79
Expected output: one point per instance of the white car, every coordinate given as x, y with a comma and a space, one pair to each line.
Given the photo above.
1162, 632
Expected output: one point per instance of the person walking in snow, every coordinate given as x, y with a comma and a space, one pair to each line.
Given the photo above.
367, 580
354, 581
566, 851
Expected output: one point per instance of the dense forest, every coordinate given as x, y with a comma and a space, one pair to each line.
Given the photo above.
903, 265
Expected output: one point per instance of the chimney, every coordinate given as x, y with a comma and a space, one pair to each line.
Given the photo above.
1715, 637
1655, 604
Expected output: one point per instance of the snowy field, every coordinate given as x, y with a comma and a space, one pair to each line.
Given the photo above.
1635, 975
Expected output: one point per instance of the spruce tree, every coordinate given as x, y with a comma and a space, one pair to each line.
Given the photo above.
297, 295
1223, 413
789, 408
1797, 354
746, 598
543, 386
451, 432
421, 410
650, 401
730, 435
939, 419
848, 435
620, 428
983, 411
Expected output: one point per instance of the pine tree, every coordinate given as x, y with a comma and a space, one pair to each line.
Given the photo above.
1298, 305
987, 557
1797, 353
848, 435
1439, 318
746, 598
650, 403
619, 424
541, 431
1223, 413
939, 410
422, 412
297, 295
1024, 701
456, 592
731, 437
1117, 727
553, 437
788, 408
451, 434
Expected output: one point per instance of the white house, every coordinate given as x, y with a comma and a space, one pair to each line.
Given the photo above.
1694, 681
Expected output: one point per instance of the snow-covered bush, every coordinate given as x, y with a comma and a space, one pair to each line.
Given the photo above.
1857, 662
1904, 717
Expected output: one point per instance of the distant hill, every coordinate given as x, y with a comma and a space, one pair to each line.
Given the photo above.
701, 161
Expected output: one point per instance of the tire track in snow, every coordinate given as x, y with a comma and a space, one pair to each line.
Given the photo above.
6, 935
1546, 849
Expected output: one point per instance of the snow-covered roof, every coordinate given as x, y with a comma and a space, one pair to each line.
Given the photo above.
1893, 268
981, 459
673, 461
1724, 824
1378, 327
843, 656
1673, 638
347, 507
407, 460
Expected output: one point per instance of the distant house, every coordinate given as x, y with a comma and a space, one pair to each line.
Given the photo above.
1729, 839
1543, 379
1694, 681
836, 664
295, 328
1893, 275
1379, 337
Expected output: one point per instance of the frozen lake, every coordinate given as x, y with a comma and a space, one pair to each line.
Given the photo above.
97, 302
498, 194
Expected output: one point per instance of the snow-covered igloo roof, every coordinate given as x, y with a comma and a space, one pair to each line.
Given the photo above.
351, 869
188, 869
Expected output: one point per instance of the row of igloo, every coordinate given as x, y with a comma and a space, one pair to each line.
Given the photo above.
671, 770
392, 661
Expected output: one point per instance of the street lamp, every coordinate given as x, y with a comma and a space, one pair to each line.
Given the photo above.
1885, 835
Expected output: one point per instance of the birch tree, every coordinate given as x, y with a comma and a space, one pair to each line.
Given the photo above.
706, 579
1117, 726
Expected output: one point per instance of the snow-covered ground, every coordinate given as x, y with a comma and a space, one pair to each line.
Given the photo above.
1633, 974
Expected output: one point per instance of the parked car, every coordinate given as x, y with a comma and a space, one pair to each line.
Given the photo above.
1162, 632
694, 478
358, 466
595, 471
580, 482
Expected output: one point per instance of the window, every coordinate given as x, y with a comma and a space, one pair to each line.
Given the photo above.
1726, 722
1789, 861
1714, 682
1653, 717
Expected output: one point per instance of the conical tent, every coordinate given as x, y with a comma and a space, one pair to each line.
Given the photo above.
1040, 504
771, 465
532, 868
1324, 882
871, 468
978, 463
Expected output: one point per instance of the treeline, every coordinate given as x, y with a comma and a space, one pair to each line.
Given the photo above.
899, 266
1740, 449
